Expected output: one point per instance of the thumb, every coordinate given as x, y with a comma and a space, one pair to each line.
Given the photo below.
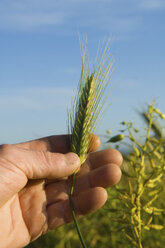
47, 165
43, 164
18, 165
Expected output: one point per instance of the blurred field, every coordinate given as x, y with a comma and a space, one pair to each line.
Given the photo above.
141, 190
101, 231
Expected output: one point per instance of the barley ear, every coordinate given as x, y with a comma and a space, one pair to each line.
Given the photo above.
87, 109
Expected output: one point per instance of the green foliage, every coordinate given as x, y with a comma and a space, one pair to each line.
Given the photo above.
134, 215
143, 182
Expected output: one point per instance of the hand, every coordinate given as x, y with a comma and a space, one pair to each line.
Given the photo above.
35, 186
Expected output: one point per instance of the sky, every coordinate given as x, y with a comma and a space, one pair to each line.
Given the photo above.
40, 61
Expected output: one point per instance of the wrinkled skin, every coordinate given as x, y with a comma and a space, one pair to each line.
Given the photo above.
35, 183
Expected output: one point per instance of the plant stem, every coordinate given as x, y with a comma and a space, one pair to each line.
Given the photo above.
73, 212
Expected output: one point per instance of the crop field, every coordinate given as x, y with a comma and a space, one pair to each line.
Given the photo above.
134, 215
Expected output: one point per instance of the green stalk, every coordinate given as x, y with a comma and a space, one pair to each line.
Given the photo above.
73, 212
85, 111
80, 140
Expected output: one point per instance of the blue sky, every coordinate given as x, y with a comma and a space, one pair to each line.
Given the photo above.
40, 60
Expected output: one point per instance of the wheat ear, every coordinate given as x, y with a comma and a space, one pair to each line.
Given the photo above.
80, 134
86, 109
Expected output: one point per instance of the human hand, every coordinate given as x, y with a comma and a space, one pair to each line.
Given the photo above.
35, 186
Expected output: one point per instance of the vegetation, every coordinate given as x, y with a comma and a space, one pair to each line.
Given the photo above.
134, 215
139, 196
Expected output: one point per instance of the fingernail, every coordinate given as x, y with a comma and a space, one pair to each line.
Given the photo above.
72, 159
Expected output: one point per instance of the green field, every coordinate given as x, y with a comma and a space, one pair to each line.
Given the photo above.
134, 215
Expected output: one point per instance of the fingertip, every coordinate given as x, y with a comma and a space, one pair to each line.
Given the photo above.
113, 156
105, 176
112, 173
91, 200
119, 158
104, 195
73, 160
95, 143
103, 157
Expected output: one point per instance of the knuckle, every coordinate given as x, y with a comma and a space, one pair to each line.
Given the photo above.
52, 160
5, 149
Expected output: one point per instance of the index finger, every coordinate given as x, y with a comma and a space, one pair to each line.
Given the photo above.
56, 143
